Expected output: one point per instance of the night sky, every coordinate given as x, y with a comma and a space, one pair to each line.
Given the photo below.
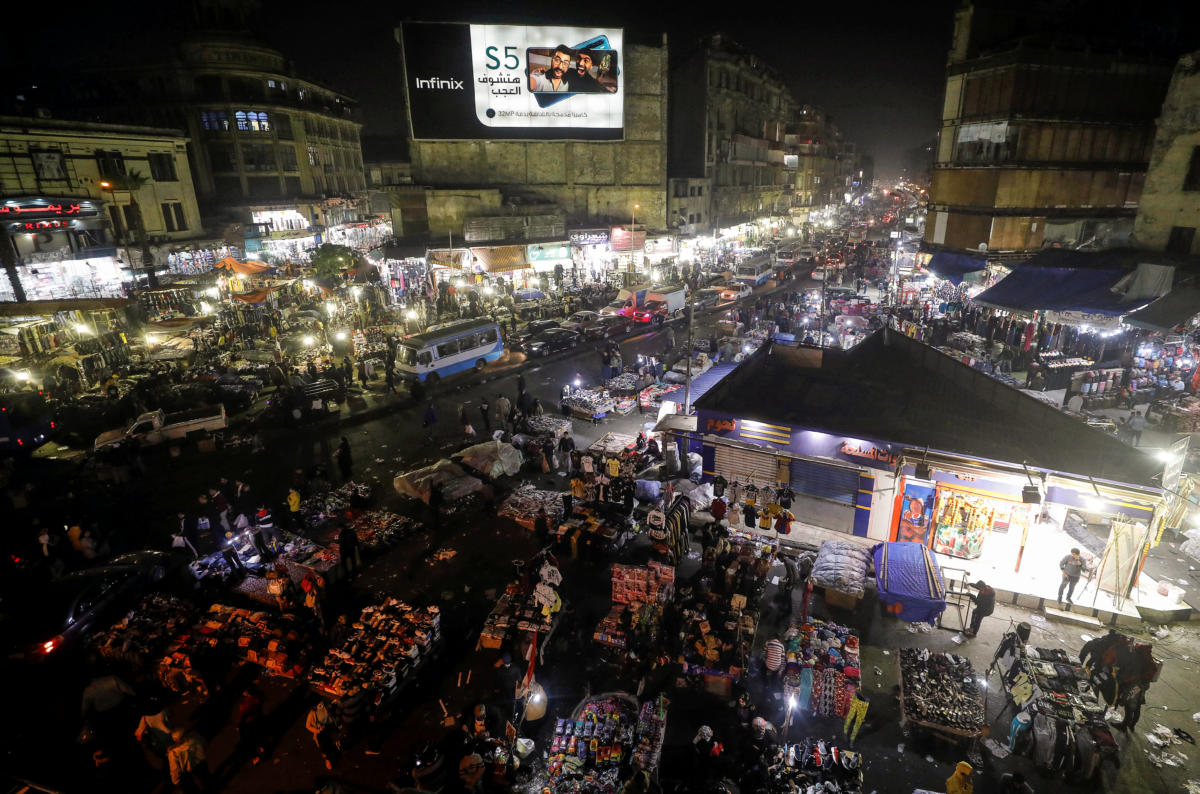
876, 68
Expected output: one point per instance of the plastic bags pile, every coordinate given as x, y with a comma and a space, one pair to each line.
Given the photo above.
842, 566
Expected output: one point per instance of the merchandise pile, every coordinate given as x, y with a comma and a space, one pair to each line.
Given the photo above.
389, 644
653, 395
842, 566
228, 635
522, 506
377, 529
626, 382
816, 766
823, 667
145, 630
651, 729
547, 425
317, 508
590, 750
589, 403
636, 584
940, 689
524, 611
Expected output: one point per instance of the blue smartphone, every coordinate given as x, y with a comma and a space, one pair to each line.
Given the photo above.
597, 43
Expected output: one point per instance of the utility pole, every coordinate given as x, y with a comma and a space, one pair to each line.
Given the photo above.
687, 384
8, 258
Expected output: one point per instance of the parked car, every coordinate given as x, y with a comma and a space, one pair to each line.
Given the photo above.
706, 297
531, 331
580, 322
67, 610
158, 426
608, 327
552, 340
652, 312
736, 292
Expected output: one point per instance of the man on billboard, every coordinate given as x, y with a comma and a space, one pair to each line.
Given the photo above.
580, 78
554, 79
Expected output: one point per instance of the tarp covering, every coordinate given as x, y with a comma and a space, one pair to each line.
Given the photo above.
1031, 288
257, 296
909, 581
952, 266
491, 459
501, 258
1169, 311
242, 268
455, 482
702, 383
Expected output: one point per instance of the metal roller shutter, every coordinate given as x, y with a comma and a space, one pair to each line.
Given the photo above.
826, 482
745, 466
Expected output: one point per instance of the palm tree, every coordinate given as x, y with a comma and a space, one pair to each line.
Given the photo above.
133, 182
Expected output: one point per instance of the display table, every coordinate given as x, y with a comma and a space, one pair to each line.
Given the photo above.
594, 748
389, 646
651, 397
143, 634
940, 693
528, 605
590, 404
822, 667
522, 506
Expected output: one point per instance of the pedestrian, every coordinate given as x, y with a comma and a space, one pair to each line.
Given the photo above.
504, 410
345, 460
321, 723
389, 381
362, 374
348, 547
1132, 698
251, 726
295, 520
347, 370
465, 421
314, 600
1071, 567
670, 338
566, 445
985, 604
265, 523
188, 762
773, 657
1137, 425
429, 421
960, 781
416, 390
485, 409
520, 383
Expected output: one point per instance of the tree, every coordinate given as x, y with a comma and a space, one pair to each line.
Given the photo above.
132, 183
329, 260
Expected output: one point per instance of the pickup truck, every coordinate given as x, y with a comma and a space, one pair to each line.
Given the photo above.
626, 302
660, 305
156, 426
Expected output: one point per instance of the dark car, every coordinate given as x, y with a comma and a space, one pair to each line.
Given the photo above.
64, 612
609, 326
552, 340
706, 297
534, 329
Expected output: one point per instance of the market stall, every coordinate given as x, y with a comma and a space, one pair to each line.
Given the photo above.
606, 736
590, 404
523, 504
297, 556
822, 670
141, 636
963, 520
650, 399
591, 532
454, 481
491, 459
940, 693
529, 605
638, 595
909, 581
389, 645
225, 636
841, 568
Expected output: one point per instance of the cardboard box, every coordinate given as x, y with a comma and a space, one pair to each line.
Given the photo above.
840, 600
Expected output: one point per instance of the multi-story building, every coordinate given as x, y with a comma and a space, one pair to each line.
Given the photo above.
274, 153
70, 196
820, 163
729, 121
1169, 212
1045, 136
585, 183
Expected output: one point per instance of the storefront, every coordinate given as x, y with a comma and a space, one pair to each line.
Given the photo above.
96, 274
591, 252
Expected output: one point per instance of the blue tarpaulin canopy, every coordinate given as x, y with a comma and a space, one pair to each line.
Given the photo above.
1032, 288
952, 266
909, 581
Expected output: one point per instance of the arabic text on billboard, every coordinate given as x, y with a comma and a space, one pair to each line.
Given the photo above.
588, 236
513, 82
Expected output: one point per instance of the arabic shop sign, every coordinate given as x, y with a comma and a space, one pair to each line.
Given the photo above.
715, 425
46, 225
864, 451
550, 252
588, 236
32, 209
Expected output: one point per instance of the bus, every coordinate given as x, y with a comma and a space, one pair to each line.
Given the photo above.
449, 348
754, 272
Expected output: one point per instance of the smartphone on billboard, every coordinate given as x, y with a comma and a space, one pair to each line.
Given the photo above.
600, 75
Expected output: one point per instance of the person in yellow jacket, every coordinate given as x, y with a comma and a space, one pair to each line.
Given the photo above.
960, 781
293, 503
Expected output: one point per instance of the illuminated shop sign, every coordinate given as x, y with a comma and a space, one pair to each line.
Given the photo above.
38, 208
513, 82
588, 236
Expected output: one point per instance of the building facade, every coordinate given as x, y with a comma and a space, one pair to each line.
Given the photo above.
1169, 212
1041, 143
70, 193
586, 182
275, 156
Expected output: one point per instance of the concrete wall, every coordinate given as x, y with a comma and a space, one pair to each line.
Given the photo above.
1164, 203
591, 181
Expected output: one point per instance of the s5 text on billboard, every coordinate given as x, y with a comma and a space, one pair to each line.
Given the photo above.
513, 82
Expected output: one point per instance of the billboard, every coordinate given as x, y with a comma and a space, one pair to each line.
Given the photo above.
513, 82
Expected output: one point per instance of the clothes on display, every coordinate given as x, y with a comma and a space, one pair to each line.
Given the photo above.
651, 397
388, 646
842, 566
940, 691
822, 667
523, 504
529, 604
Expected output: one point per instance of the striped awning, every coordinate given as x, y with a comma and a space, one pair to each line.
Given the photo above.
501, 258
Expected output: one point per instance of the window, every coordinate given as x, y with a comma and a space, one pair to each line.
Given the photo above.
691, 217
468, 343
287, 158
489, 336
180, 220
168, 217
692, 190
313, 157
1180, 241
220, 156
162, 167
117, 224
216, 120
283, 127
699, 190
111, 164
130, 217
48, 164
425, 358
447, 349
1192, 180
258, 157
699, 217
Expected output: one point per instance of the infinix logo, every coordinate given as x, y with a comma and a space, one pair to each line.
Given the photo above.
440, 83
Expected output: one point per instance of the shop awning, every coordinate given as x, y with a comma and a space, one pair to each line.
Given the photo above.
257, 296
501, 258
242, 268
702, 383
43, 308
1030, 288
953, 266
444, 257
1169, 311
